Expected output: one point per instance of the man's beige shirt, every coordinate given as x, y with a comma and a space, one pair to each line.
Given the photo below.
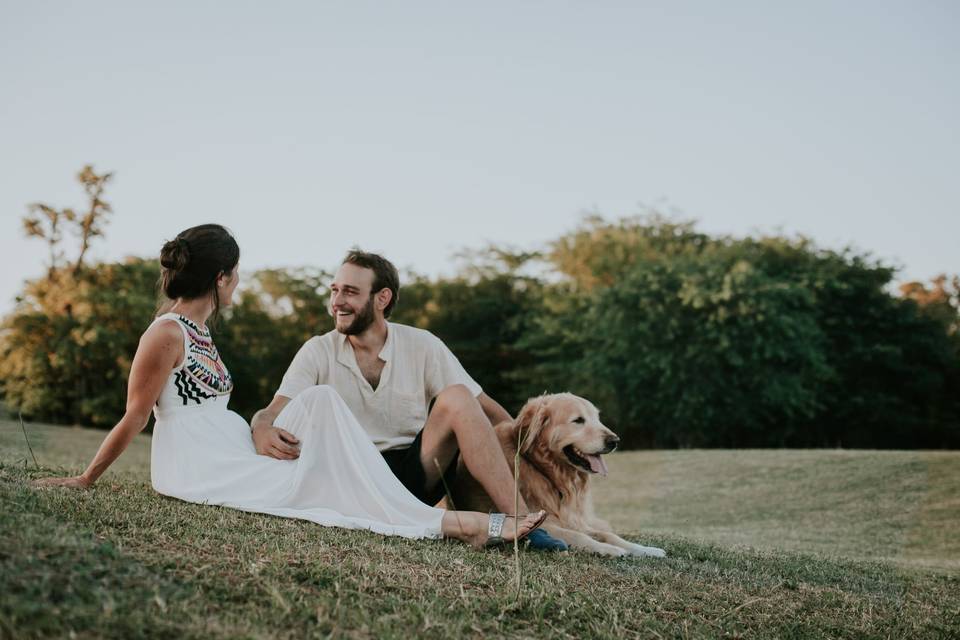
418, 366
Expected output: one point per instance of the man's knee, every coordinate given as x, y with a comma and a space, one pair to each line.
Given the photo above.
454, 399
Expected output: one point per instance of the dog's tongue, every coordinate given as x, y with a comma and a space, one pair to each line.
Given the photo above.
597, 465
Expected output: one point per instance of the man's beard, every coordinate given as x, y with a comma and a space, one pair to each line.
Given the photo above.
361, 320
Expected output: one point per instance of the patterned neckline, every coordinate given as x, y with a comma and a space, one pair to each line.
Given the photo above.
203, 333
203, 374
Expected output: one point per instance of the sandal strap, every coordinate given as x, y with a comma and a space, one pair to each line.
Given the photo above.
495, 526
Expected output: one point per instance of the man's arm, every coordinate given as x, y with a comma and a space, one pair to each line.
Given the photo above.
494, 411
302, 373
270, 440
444, 370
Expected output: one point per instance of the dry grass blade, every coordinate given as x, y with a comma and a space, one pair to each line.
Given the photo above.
446, 491
518, 570
24, 428
446, 488
516, 503
516, 520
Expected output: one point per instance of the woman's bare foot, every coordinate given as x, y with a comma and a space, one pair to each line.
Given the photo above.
471, 526
74, 482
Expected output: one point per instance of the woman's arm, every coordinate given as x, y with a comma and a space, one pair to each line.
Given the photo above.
160, 349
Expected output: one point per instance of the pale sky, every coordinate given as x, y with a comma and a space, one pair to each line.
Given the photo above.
419, 128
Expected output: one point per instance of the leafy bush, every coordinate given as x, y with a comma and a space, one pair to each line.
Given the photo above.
682, 339
66, 350
689, 341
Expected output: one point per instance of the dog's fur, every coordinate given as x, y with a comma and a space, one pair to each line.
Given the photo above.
562, 440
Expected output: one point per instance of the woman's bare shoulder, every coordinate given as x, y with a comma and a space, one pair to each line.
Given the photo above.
163, 330
162, 339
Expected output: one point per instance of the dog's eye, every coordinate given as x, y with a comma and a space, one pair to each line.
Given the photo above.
579, 420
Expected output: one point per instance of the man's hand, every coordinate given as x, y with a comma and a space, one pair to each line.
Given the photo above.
272, 441
276, 443
73, 482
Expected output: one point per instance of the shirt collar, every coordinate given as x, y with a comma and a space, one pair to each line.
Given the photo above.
386, 353
346, 355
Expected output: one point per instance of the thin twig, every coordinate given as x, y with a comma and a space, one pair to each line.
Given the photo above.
516, 520
518, 570
446, 490
746, 604
516, 497
22, 426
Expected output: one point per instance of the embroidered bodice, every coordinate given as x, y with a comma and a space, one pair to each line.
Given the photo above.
201, 378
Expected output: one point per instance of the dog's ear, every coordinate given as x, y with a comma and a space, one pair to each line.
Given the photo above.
534, 416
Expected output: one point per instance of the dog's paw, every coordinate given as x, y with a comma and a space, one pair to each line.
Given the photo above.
605, 549
650, 552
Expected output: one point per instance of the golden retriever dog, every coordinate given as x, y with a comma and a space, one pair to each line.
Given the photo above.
562, 443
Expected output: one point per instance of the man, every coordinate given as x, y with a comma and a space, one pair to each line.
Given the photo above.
388, 374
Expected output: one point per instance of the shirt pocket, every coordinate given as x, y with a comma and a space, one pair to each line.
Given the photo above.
407, 412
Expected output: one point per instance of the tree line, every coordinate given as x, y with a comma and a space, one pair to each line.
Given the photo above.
681, 338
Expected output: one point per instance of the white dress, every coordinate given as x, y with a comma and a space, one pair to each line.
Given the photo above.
202, 452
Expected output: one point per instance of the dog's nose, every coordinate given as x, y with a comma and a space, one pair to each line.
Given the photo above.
611, 443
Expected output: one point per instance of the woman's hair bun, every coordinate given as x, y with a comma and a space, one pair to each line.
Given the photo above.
194, 260
175, 254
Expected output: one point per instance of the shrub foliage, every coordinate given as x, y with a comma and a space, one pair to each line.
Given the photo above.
682, 339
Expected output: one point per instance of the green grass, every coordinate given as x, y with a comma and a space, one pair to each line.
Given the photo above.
897, 506
765, 544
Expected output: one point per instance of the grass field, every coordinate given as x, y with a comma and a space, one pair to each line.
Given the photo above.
765, 544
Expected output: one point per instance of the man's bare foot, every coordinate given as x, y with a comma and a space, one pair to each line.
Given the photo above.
472, 527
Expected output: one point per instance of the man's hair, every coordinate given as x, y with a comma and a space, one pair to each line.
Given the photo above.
385, 275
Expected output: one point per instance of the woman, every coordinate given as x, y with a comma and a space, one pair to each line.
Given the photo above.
202, 452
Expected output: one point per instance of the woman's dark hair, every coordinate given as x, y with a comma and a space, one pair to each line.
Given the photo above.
191, 263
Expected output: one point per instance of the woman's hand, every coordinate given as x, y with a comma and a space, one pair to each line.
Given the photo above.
74, 482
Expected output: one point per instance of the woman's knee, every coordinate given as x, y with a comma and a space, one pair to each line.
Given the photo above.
304, 405
319, 395
318, 392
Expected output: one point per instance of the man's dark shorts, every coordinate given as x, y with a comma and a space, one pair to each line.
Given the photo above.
406, 465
